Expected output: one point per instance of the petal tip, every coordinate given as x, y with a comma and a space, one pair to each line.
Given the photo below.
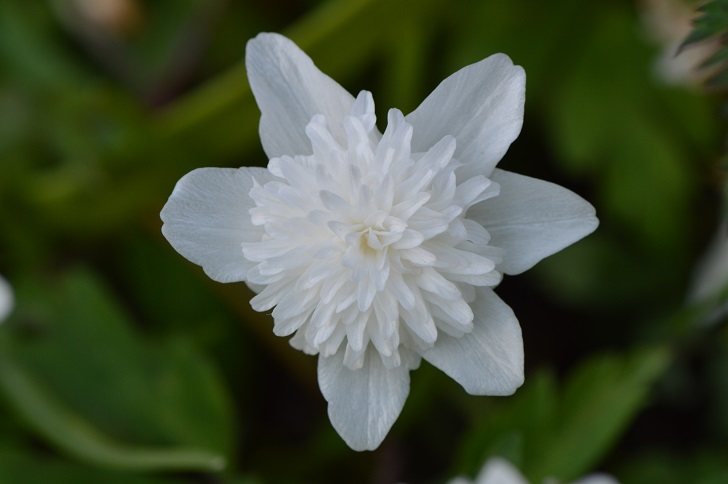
363, 404
202, 220
265, 37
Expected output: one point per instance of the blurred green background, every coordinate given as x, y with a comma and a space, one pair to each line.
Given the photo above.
123, 363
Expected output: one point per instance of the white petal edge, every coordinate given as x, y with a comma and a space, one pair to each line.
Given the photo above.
489, 359
363, 403
290, 90
481, 105
6, 299
206, 219
532, 219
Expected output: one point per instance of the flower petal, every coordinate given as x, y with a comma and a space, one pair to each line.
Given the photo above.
532, 219
363, 403
488, 360
290, 90
6, 299
481, 105
206, 219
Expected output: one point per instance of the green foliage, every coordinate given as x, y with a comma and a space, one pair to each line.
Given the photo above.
602, 396
123, 363
94, 365
562, 433
713, 20
712, 23
696, 466
20, 467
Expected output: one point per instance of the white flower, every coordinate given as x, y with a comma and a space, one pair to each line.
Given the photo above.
710, 280
6, 299
376, 250
499, 471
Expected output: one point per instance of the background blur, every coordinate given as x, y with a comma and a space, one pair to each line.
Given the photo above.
123, 363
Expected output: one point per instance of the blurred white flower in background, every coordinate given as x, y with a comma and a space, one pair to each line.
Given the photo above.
710, 281
6, 299
499, 471
376, 250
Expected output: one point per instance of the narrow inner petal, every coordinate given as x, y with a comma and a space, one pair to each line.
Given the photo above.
366, 243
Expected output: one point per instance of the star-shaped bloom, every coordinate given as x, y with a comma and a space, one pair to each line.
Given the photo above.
499, 471
375, 250
6, 299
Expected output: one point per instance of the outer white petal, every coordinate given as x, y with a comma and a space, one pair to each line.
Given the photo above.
481, 105
290, 90
206, 219
488, 360
363, 403
532, 219
6, 299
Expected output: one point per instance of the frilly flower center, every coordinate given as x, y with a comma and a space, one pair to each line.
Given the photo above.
367, 244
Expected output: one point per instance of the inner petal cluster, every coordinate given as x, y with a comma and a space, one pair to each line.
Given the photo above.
368, 243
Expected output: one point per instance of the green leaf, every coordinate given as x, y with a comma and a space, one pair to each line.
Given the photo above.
31, 50
610, 121
599, 400
552, 433
703, 466
18, 466
203, 117
78, 355
713, 21
514, 428
70, 433
711, 24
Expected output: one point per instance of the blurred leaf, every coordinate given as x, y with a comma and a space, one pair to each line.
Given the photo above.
608, 120
30, 50
174, 40
514, 427
641, 147
203, 117
405, 64
712, 21
648, 154
152, 47
599, 400
544, 45
243, 480
77, 438
77, 342
24, 467
718, 382
590, 275
147, 265
695, 467
563, 434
